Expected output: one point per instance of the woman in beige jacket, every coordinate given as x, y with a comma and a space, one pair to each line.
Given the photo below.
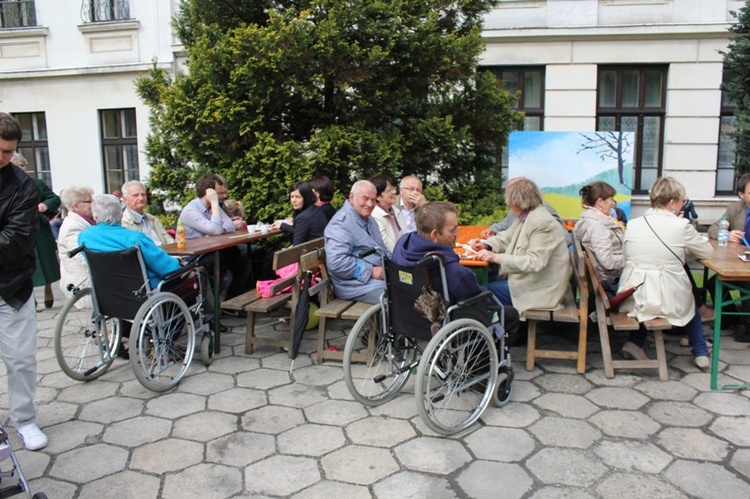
532, 253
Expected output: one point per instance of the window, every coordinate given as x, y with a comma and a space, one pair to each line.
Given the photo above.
725, 174
17, 13
119, 147
33, 145
632, 99
104, 10
528, 84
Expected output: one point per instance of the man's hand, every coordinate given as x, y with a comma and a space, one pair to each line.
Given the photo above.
239, 224
42, 207
212, 196
488, 256
486, 233
735, 236
377, 273
477, 245
417, 198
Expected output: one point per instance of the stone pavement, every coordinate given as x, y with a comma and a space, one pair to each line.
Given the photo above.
244, 428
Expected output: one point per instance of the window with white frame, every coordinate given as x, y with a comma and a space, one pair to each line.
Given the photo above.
725, 171
104, 10
33, 145
17, 13
119, 136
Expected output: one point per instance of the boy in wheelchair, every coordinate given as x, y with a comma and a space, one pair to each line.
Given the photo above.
437, 227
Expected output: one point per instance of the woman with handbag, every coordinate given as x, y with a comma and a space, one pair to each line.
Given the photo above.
657, 246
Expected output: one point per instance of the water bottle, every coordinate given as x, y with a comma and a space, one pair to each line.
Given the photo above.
723, 236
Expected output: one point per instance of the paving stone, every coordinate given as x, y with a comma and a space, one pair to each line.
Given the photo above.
234, 364
339, 391
45, 395
619, 485
237, 400
101, 460
566, 405
69, 435
111, 409
206, 384
135, 432
201, 481
272, 419
297, 395
734, 429
33, 464
706, 480
240, 448
335, 412
175, 405
564, 383
524, 391
669, 390
632, 455
512, 415
679, 414
82, 393
317, 375
379, 431
629, 424
740, 373
262, 379
692, 443
412, 485
359, 465
617, 398
725, 404
205, 426
500, 444
52, 488
329, 489
133, 388
166, 455
125, 485
432, 455
564, 432
281, 475
404, 406
741, 461
490, 480
311, 440
566, 467
558, 492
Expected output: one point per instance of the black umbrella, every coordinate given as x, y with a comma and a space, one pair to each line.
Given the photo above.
301, 315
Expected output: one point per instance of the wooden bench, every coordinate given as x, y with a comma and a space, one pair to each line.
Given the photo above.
252, 303
574, 310
330, 306
621, 322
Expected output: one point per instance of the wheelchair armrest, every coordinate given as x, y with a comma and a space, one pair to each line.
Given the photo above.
476, 299
184, 269
75, 251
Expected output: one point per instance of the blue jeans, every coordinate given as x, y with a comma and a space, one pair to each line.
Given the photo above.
693, 329
501, 289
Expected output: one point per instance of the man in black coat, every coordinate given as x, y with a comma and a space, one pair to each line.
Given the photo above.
19, 223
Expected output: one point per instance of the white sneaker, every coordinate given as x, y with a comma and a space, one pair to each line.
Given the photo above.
702, 363
33, 438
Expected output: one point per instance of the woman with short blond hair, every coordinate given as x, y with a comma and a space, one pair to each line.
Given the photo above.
77, 200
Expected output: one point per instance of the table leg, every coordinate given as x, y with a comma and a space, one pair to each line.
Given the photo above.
718, 307
217, 304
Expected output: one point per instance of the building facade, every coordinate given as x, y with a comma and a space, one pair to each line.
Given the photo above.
649, 66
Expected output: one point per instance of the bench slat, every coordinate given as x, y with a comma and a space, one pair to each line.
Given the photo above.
239, 302
334, 308
355, 311
265, 305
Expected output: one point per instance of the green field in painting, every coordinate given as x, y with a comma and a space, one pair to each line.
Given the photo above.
569, 206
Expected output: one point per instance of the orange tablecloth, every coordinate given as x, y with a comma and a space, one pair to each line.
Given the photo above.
465, 234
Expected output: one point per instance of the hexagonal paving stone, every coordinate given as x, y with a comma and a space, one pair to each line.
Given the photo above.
167, 455
617, 398
679, 414
100, 459
53, 413
559, 492
311, 440
432, 455
205, 426
706, 480
628, 424
563, 432
500, 444
282, 362
272, 419
234, 364
262, 379
564, 383
524, 391
483, 479
692, 443
669, 390
82, 393
724, 404
281, 475
317, 375
512, 415
403, 406
237, 400
111, 409
636, 485
359, 465
240, 448
137, 431
33, 464
409, 484
734, 429
125, 484
206, 384
566, 467
330, 488
335, 412
70, 435
566, 405
380, 431
203, 480
296, 395
632, 455
741, 461
52, 488
175, 405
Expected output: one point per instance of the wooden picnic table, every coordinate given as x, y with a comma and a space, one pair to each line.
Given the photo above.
465, 234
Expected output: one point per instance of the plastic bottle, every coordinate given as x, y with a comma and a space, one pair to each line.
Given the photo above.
181, 231
723, 236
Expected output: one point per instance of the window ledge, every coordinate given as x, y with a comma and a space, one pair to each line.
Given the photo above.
25, 32
105, 26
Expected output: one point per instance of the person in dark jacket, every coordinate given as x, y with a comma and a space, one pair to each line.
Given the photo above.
437, 227
323, 189
19, 224
309, 221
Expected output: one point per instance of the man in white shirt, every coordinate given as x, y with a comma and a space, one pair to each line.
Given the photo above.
410, 198
134, 217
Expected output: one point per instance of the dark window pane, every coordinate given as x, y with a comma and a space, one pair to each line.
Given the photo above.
726, 143
110, 124
608, 89
510, 81
607, 124
532, 92
41, 126
630, 88
653, 90
27, 127
532, 123
129, 125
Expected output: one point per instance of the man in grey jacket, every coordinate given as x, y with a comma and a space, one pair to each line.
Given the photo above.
350, 233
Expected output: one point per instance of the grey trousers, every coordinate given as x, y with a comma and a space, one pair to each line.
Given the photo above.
18, 351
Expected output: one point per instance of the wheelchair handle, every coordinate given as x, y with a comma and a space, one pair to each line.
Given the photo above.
370, 251
75, 251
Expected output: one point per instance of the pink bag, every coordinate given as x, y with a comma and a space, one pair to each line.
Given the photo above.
264, 287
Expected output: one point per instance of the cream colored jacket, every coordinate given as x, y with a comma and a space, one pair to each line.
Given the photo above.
129, 222
74, 270
386, 228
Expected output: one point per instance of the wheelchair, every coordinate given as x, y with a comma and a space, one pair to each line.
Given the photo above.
165, 320
460, 363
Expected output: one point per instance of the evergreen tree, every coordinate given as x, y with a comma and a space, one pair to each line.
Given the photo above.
282, 91
737, 86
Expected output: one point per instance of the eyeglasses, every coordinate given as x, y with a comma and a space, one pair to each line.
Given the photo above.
392, 190
418, 189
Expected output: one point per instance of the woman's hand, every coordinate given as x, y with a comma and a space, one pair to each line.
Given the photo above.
477, 245
488, 256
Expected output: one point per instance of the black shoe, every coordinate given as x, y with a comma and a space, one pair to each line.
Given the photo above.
123, 352
742, 338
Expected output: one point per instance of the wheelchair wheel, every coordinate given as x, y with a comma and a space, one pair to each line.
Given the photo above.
375, 368
456, 377
207, 349
162, 342
504, 388
85, 345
